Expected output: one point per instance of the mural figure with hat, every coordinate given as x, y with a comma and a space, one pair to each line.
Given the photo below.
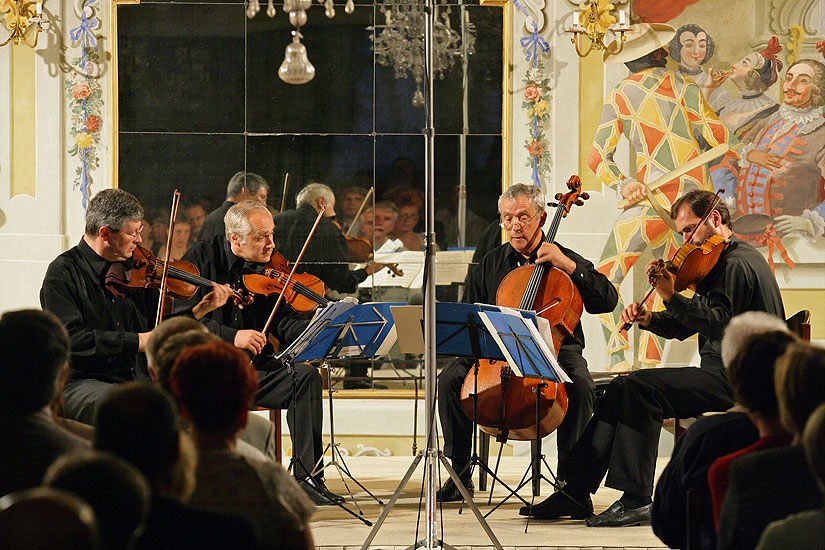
779, 172
753, 75
659, 112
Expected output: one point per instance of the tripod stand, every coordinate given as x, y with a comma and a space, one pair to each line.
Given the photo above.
336, 457
296, 466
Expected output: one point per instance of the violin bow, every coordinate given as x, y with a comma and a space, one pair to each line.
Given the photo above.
165, 267
707, 214
286, 187
358, 214
294, 267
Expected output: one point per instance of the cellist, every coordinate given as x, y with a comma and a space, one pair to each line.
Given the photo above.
621, 440
248, 245
522, 210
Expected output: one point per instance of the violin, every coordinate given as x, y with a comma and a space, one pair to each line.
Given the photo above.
690, 264
183, 278
360, 249
304, 292
506, 403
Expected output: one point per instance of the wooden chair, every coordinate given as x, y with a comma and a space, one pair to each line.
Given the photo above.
800, 324
275, 418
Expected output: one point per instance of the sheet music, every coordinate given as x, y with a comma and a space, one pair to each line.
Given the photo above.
411, 262
452, 266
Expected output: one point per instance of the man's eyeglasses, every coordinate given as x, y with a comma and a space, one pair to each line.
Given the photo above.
134, 234
523, 220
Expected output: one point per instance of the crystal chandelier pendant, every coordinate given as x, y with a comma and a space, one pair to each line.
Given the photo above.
296, 68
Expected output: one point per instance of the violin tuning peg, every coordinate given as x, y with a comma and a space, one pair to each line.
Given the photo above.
558, 196
584, 196
552, 204
579, 202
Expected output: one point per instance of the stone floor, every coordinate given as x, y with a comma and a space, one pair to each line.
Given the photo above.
333, 528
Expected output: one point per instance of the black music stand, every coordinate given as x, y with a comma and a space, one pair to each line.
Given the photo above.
347, 331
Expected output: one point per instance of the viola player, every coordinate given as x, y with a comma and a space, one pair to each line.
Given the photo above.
621, 440
108, 326
246, 247
522, 210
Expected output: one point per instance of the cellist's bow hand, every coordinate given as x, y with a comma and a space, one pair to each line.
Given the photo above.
552, 254
214, 299
635, 313
634, 192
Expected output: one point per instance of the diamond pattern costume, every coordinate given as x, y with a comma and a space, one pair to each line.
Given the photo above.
659, 112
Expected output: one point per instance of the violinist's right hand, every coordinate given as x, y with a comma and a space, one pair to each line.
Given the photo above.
251, 340
636, 313
214, 299
634, 192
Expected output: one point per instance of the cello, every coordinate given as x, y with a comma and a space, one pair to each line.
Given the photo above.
506, 403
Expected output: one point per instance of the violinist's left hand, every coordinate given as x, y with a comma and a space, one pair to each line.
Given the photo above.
216, 298
551, 253
665, 283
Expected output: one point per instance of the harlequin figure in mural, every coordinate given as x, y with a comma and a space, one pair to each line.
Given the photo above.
659, 112
753, 75
779, 172
691, 48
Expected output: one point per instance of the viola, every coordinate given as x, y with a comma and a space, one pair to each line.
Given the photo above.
507, 404
691, 263
304, 292
183, 278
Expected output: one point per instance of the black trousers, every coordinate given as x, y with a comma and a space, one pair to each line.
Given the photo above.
457, 427
622, 438
275, 392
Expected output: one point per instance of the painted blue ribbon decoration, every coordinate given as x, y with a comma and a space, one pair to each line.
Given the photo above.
84, 31
532, 44
521, 8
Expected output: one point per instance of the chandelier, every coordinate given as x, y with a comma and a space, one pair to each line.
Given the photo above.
400, 42
19, 16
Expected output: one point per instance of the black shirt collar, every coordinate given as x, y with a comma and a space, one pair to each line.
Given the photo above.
516, 258
97, 263
237, 264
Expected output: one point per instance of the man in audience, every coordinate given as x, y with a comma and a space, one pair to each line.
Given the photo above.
377, 224
108, 327
195, 215
44, 518
116, 491
215, 385
138, 423
751, 375
769, 485
351, 199
242, 186
247, 247
805, 529
686, 474
622, 438
257, 439
34, 358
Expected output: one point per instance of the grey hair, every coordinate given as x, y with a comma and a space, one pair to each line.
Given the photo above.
520, 189
310, 194
744, 325
389, 206
252, 182
236, 219
112, 208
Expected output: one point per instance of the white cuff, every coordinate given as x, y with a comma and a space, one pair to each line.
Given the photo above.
816, 221
743, 154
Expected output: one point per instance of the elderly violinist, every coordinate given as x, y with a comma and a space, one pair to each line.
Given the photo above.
246, 247
107, 326
523, 214
621, 439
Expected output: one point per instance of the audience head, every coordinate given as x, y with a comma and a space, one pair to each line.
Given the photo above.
167, 328
751, 371
813, 441
800, 384
350, 201
409, 203
34, 351
215, 385
317, 195
249, 229
116, 491
246, 185
744, 325
138, 422
170, 349
377, 223
195, 215
45, 518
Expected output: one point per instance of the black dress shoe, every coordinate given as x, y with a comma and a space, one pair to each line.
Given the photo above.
559, 505
618, 516
450, 493
318, 492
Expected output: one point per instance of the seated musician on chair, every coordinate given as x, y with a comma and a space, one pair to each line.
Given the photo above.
621, 440
522, 210
247, 246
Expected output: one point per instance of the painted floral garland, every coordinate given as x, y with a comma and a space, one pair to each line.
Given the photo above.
536, 99
85, 96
